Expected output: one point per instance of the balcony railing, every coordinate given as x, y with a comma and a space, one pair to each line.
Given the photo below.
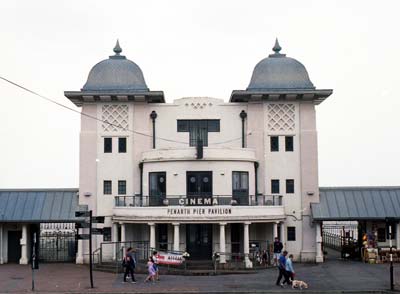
183, 200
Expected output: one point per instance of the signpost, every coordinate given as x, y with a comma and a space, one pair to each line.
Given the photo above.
92, 231
34, 261
391, 258
389, 223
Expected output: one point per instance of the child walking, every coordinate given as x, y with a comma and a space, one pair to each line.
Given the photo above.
151, 270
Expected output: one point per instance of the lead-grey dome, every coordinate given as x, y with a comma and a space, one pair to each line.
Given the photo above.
116, 74
279, 72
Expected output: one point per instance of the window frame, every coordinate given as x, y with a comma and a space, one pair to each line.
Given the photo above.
198, 127
107, 145
122, 150
157, 174
381, 232
287, 186
291, 233
289, 146
274, 186
121, 186
105, 188
274, 146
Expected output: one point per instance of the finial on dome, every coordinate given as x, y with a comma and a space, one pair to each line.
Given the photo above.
277, 47
117, 48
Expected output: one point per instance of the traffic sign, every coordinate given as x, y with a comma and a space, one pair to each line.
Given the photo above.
83, 237
82, 213
96, 231
82, 225
98, 220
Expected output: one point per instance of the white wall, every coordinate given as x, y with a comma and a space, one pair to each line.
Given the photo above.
222, 156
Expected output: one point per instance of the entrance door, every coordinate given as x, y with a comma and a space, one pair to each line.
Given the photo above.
199, 241
14, 246
157, 188
162, 236
199, 184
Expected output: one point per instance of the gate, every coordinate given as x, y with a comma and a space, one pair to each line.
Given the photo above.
343, 237
57, 246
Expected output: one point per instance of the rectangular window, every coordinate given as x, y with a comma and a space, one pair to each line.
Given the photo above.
289, 186
381, 235
107, 145
275, 186
289, 143
291, 233
240, 187
198, 129
121, 187
106, 234
157, 188
122, 145
274, 143
107, 189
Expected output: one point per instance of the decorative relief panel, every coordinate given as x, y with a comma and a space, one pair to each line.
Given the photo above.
281, 117
198, 105
117, 115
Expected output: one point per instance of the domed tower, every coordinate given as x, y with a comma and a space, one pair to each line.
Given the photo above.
278, 77
115, 120
115, 79
281, 100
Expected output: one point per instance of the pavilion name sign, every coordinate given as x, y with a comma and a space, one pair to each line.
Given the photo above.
199, 211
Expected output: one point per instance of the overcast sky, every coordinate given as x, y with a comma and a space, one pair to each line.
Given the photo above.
201, 48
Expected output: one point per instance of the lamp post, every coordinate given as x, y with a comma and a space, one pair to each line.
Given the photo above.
153, 116
243, 116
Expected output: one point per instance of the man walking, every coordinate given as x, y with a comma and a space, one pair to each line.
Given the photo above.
130, 264
282, 270
277, 250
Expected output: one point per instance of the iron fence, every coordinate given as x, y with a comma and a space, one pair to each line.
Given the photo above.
57, 246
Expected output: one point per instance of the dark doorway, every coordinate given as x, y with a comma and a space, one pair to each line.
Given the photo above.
235, 238
162, 230
199, 241
14, 246
199, 184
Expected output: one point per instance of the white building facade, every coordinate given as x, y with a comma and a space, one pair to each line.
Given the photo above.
202, 175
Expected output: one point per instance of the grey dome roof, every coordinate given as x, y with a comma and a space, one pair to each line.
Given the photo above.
115, 74
279, 72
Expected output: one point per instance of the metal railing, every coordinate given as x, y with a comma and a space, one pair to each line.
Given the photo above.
114, 251
184, 200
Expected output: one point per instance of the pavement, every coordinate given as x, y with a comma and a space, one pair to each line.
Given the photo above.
335, 276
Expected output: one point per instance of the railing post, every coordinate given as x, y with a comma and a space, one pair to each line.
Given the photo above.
101, 254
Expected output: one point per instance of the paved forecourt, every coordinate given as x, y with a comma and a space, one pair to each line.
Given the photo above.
334, 277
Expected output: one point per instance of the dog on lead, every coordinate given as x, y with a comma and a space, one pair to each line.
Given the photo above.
299, 284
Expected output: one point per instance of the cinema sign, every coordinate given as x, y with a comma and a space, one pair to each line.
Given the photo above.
198, 201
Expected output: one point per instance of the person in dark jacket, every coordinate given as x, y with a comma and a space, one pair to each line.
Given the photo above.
130, 264
277, 250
